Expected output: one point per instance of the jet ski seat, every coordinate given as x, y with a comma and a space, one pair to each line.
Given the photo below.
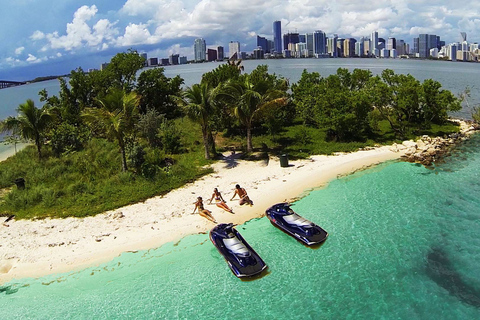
295, 219
236, 246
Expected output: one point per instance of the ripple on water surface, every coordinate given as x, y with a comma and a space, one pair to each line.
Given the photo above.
403, 243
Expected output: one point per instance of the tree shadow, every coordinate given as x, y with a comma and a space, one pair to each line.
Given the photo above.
231, 161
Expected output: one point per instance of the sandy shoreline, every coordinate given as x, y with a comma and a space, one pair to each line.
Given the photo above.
39, 248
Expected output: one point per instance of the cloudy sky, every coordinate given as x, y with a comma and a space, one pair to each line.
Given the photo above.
55, 36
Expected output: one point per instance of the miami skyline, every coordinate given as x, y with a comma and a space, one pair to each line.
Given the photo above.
41, 39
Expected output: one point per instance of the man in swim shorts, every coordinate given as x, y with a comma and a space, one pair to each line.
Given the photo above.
243, 196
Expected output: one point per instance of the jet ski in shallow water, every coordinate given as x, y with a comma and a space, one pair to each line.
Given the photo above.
283, 217
241, 258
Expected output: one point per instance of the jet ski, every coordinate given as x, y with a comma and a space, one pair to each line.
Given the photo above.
283, 217
241, 258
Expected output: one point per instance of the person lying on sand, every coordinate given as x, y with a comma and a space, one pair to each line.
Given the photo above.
202, 211
243, 196
219, 200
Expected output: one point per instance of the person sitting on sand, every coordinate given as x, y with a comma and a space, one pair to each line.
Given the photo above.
219, 200
243, 196
202, 211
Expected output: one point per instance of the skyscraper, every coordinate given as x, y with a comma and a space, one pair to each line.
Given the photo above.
309, 42
292, 38
263, 43
423, 49
277, 36
220, 53
391, 43
319, 42
332, 46
234, 50
374, 44
200, 49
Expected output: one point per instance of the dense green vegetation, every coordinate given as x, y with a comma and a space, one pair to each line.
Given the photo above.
109, 139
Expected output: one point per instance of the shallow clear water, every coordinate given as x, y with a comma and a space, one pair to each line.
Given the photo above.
403, 244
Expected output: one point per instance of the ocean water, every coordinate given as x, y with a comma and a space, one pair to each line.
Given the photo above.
403, 244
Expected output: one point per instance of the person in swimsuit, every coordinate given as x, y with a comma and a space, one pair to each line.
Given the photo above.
243, 196
202, 211
219, 200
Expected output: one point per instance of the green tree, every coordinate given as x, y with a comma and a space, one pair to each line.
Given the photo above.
31, 124
124, 67
253, 95
156, 92
436, 103
198, 104
117, 115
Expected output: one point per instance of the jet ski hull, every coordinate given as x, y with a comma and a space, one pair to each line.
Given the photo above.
239, 255
281, 216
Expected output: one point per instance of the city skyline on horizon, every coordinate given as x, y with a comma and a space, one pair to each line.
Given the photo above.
67, 34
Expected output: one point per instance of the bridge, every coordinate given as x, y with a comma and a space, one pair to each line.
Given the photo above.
6, 84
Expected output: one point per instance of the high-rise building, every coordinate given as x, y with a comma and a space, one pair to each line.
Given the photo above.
340, 47
234, 50
152, 62
211, 55
271, 46
302, 38
349, 47
332, 46
319, 43
416, 45
452, 52
258, 53
423, 49
374, 44
391, 43
220, 54
262, 43
173, 59
144, 56
290, 38
463, 36
360, 47
400, 47
367, 47
200, 49
310, 44
277, 36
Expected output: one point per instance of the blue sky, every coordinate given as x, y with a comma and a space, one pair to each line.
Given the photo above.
55, 36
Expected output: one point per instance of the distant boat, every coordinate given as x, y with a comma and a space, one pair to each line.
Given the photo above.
283, 217
241, 258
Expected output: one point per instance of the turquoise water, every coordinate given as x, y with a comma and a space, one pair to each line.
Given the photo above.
403, 244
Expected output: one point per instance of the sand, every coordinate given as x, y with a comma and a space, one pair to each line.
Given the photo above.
34, 248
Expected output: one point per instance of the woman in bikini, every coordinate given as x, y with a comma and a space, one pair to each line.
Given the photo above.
219, 200
202, 211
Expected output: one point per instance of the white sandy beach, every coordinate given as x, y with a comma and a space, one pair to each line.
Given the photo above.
42, 247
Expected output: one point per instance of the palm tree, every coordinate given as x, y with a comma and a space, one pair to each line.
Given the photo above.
31, 123
117, 114
198, 104
251, 97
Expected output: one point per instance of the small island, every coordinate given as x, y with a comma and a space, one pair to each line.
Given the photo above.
117, 161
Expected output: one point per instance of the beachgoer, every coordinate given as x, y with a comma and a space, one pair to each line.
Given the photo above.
243, 196
202, 211
219, 200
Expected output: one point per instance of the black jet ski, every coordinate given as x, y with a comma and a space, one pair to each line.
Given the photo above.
283, 217
241, 258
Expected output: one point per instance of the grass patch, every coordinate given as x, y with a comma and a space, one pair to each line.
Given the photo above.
90, 181
87, 182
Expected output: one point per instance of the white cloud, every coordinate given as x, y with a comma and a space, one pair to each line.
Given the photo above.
32, 59
37, 35
79, 34
19, 50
